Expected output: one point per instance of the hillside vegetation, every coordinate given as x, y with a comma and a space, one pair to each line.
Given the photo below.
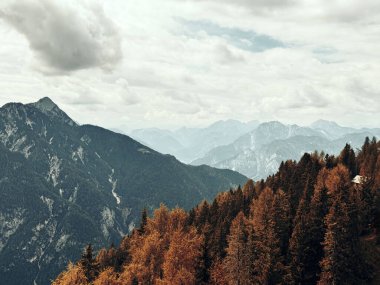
313, 222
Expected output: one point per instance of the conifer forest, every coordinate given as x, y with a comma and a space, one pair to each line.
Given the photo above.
315, 221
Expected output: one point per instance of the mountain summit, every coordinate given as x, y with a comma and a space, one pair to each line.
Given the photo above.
45, 104
49, 108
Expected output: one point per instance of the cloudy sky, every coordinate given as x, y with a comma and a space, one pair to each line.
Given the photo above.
167, 63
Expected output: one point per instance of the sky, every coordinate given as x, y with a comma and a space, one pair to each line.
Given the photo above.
127, 64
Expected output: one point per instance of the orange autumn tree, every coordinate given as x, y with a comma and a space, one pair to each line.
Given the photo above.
342, 262
147, 250
182, 258
218, 273
267, 263
74, 275
236, 264
107, 277
168, 251
307, 224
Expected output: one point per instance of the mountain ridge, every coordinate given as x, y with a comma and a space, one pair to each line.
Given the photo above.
64, 185
259, 153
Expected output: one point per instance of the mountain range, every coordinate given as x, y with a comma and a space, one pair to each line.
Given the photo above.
63, 185
188, 144
256, 149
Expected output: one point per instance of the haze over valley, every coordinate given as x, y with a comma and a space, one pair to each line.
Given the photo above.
254, 149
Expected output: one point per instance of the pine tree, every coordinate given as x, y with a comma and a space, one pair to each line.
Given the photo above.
298, 244
177, 220
123, 253
249, 187
144, 220
203, 214
102, 259
278, 241
204, 261
147, 259
107, 277
135, 281
74, 275
112, 256
347, 158
367, 159
218, 273
181, 259
236, 261
316, 229
282, 219
305, 250
342, 262
159, 223
267, 264
87, 262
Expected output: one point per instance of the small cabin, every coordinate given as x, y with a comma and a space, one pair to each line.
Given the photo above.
358, 179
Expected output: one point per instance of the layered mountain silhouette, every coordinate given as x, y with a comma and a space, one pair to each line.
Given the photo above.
188, 144
260, 152
253, 149
63, 185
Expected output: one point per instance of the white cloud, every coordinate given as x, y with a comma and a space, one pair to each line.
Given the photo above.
323, 63
64, 36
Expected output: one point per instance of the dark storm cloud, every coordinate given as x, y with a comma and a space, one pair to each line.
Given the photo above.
65, 37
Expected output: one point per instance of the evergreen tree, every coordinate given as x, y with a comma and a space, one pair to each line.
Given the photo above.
305, 250
87, 262
135, 281
144, 220
348, 159
236, 261
203, 215
72, 276
282, 219
298, 244
342, 262
204, 261
181, 258
218, 273
107, 277
224, 243
102, 259
316, 229
268, 266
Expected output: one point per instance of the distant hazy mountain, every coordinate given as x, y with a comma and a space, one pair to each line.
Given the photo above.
188, 144
163, 141
259, 153
332, 130
63, 185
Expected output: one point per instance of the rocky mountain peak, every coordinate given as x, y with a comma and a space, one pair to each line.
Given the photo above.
45, 104
48, 107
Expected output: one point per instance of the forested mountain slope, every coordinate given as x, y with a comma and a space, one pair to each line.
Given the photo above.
63, 185
313, 222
